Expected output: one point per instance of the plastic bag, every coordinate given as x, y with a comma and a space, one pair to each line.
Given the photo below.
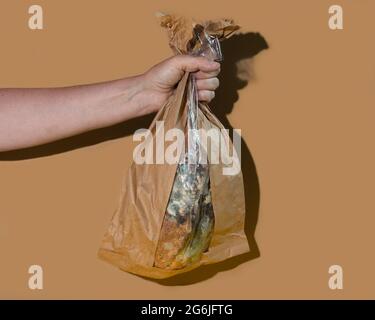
174, 218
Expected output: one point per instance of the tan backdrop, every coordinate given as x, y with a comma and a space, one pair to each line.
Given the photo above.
305, 103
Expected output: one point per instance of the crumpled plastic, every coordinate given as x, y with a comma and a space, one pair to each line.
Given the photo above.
173, 218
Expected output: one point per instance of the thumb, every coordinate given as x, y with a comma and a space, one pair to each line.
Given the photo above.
193, 64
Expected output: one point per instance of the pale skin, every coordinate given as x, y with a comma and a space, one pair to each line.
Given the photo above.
30, 117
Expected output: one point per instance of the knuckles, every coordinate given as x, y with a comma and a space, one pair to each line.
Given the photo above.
206, 95
208, 84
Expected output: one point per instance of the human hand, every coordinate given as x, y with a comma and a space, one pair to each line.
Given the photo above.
48, 114
159, 82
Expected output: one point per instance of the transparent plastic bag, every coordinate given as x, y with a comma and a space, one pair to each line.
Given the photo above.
189, 219
173, 218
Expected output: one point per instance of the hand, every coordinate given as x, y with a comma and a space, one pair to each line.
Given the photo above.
30, 117
160, 81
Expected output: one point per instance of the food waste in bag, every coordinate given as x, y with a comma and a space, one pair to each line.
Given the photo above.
173, 218
188, 222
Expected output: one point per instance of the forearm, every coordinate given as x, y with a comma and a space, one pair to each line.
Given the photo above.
35, 116
29, 117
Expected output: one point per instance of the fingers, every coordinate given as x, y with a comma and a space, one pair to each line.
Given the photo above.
193, 64
206, 88
206, 95
205, 72
207, 75
207, 84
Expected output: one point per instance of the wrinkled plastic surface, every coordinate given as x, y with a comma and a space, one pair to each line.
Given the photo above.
203, 225
189, 219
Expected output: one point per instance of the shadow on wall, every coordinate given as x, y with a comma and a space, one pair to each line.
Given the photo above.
82, 140
235, 75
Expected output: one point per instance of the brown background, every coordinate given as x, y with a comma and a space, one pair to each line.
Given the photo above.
306, 114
